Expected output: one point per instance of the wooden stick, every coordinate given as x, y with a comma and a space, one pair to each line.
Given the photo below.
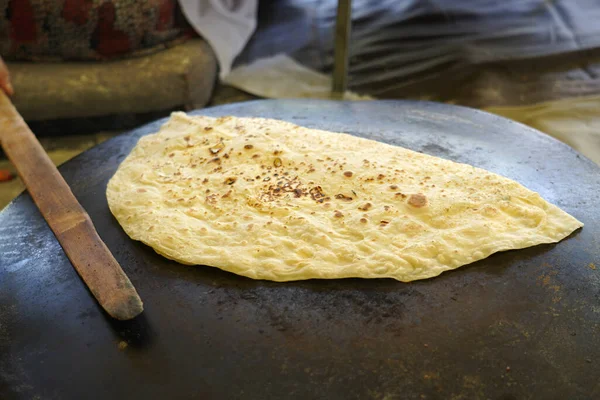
341, 48
70, 223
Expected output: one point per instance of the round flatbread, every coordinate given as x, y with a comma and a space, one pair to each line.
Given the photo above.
271, 200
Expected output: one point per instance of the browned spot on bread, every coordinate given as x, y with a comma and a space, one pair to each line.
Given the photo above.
248, 147
343, 197
217, 148
348, 174
417, 200
338, 214
363, 220
317, 193
365, 207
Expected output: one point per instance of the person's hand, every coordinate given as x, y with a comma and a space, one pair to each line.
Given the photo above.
5, 84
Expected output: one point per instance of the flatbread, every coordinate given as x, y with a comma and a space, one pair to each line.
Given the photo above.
271, 200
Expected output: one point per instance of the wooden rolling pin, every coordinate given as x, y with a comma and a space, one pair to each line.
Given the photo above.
70, 223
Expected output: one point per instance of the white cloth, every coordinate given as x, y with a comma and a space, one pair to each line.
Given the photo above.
225, 24
281, 77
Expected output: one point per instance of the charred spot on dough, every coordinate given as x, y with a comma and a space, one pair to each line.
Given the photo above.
365, 207
231, 180
248, 147
340, 196
277, 162
208, 128
338, 214
316, 193
394, 187
383, 223
348, 174
363, 220
217, 147
417, 200
400, 195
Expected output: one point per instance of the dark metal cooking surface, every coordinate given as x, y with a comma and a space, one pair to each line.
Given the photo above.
519, 325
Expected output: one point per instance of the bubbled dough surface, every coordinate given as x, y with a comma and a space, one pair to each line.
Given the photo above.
271, 200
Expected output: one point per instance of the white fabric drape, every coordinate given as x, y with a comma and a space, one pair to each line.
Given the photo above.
225, 24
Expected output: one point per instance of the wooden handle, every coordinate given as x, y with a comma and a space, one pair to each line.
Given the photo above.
70, 223
343, 26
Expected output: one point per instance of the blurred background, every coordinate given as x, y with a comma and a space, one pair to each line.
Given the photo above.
86, 70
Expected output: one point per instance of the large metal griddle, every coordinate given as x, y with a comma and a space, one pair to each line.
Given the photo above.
518, 325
